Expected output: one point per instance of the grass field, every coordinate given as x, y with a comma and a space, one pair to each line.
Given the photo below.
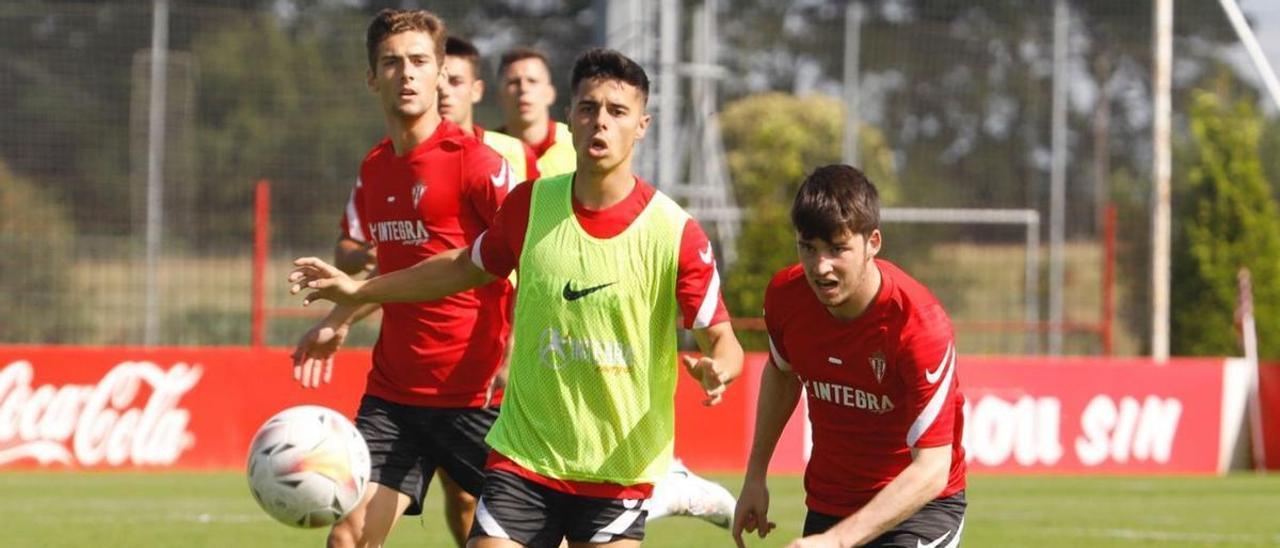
49, 509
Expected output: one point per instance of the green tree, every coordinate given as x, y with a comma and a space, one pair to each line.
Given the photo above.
36, 247
773, 140
1228, 220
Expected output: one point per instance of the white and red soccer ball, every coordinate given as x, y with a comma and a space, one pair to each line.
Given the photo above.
308, 466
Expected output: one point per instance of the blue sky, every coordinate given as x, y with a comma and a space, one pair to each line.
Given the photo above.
1264, 18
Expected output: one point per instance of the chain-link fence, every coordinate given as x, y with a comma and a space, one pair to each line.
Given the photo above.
954, 105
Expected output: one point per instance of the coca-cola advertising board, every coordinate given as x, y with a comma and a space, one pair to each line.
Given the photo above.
128, 408
98, 408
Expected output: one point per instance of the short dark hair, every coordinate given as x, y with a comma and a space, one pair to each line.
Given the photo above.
390, 21
521, 53
833, 199
465, 50
609, 64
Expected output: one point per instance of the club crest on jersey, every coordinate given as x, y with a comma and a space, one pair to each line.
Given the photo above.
419, 188
877, 362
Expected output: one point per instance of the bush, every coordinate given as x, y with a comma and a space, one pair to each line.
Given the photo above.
1227, 219
773, 140
36, 256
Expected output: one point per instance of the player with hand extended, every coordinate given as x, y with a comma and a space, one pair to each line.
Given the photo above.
875, 353
428, 188
526, 93
607, 264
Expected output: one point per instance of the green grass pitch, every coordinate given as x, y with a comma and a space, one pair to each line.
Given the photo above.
49, 509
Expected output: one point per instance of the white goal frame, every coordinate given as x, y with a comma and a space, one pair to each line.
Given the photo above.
1028, 218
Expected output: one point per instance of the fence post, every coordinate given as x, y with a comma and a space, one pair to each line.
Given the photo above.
261, 247
1108, 280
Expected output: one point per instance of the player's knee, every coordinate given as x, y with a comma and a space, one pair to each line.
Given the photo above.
463, 502
344, 534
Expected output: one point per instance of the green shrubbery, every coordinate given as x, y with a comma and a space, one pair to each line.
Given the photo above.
37, 242
1226, 219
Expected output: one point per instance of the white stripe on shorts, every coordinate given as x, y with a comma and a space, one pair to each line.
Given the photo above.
620, 523
487, 523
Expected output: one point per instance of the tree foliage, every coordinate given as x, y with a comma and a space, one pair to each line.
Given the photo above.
36, 255
1227, 219
773, 141
962, 89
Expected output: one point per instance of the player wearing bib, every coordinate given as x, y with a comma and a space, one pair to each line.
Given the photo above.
607, 266
526, 97
428, 188
875, 353
458, 95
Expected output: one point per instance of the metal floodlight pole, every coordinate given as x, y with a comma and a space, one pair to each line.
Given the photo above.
155, 168
1028, 218
852, 43
1058, 174
1161, 213
668, 92
1031, 282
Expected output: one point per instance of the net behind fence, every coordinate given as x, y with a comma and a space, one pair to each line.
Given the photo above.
953, 106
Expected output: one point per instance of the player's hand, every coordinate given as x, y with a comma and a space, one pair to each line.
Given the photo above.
313, 355
328, 282
708, 372
752, 512
498, 382
824, 540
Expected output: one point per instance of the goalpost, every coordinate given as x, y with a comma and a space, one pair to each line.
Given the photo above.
1028, 218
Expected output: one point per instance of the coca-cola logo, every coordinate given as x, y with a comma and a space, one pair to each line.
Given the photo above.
96, 424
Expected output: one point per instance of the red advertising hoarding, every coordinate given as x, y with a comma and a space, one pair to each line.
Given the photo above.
100, 408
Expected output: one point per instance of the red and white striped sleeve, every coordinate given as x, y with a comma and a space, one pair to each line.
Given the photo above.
497, 250
773, 325
928, 367
698, 281
352, 218
487, 179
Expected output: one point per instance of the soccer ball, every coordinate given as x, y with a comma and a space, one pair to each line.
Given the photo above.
308, 466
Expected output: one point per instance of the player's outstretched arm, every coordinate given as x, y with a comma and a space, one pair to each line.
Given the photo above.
779, 393
721, 360
919, 483
439, 276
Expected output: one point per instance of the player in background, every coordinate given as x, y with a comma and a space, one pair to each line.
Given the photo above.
526, 95
428, 188
875, 353
459, 93
607, 265
681, 492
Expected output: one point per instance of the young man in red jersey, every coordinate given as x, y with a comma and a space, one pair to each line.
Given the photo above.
874, 351
607, 264
428, 188
459, 90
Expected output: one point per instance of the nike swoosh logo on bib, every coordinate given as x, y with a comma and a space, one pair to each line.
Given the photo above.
571, 294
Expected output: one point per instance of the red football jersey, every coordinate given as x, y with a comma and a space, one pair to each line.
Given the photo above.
439, 196
877, 385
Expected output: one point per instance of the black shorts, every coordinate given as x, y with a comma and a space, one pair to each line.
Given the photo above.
538, 516
407, 443
939, 523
